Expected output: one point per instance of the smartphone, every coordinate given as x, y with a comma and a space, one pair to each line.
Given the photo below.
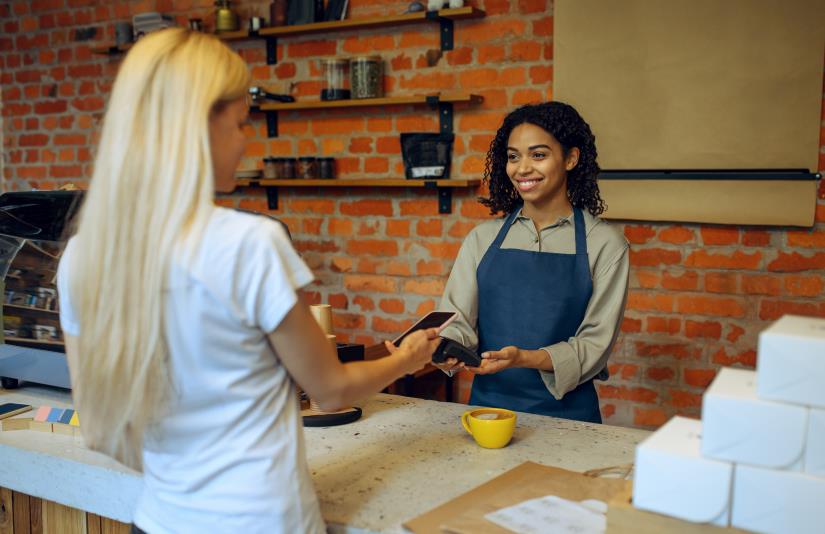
436, 319
10, 408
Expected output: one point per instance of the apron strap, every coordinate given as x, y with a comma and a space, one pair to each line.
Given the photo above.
502, 233
484, 264
581, 236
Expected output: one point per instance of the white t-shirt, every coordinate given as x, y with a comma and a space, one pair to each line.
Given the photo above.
230, 457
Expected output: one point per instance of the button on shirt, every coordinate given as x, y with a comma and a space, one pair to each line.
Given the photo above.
583, 356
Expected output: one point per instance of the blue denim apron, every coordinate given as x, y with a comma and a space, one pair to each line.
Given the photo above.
531, 300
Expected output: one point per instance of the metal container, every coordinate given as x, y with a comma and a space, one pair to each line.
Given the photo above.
289, 165
366, 77
326, 168
270, 168
307, 168
226, 20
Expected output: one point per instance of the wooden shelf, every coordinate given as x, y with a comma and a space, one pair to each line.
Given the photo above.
443, 187
111, 50
443, 102
432, 99
358, 182
55, 346
29, 310
460, 13
443, 16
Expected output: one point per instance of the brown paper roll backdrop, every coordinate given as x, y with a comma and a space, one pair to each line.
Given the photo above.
699, 84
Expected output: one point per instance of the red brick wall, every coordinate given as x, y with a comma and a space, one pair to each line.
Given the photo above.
699, 294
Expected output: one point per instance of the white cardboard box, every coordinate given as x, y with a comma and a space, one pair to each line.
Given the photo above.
671, 477
791, 361
815, 447
781, 502
739, 427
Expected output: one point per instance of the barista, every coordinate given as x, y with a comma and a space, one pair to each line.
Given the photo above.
540, 292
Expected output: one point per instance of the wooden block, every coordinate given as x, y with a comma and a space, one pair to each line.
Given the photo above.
16, 423
75, 420
66, 417
40, 426
13, 413
65, 430
42, 413
55, 414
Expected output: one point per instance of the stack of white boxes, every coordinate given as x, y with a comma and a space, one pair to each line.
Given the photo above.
756, 461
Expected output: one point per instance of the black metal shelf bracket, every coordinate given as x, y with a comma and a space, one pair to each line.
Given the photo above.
445, 197
271, 120
272, 197
271, 50
271, 123
445, 117
445, 200
445, 113
445, 29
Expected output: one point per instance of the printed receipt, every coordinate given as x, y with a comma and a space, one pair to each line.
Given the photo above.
552, 514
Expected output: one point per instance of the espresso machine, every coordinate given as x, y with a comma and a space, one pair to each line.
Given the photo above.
34, 228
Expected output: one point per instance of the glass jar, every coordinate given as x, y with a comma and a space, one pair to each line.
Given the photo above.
270, 169
326, 168
366, 77
289, 168
335, 79
307, 168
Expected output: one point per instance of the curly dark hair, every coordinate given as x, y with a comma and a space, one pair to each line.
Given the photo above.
570, 130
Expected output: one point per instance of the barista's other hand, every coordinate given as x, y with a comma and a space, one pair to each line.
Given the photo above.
494, 361
450, 366
416, 350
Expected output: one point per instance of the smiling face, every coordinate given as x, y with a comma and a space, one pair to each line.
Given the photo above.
537, 168
227, 139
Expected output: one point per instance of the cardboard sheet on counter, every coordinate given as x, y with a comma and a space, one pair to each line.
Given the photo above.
465, 513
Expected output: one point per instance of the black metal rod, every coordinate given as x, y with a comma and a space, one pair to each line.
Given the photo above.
739, 174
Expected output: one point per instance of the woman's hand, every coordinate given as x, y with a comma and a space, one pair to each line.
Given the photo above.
497, 360
494, 361
416, 350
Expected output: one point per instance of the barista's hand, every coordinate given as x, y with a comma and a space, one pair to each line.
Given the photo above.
416, 350
497, 360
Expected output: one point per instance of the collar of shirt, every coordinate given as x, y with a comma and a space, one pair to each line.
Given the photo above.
560, 221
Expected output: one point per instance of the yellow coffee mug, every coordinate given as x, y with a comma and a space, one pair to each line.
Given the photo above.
492, 428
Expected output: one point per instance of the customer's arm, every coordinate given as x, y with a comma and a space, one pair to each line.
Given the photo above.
313, 363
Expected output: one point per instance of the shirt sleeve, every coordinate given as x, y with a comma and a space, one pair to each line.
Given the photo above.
585, 355
461, 294
269, 274
68, 320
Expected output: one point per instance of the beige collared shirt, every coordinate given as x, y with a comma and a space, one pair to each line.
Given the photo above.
583, 356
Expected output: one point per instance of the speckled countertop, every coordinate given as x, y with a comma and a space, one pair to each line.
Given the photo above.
404, 457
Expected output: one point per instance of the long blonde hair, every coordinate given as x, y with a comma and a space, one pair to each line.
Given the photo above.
149, 198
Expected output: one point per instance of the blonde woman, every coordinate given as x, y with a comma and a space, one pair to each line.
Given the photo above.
183, 321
